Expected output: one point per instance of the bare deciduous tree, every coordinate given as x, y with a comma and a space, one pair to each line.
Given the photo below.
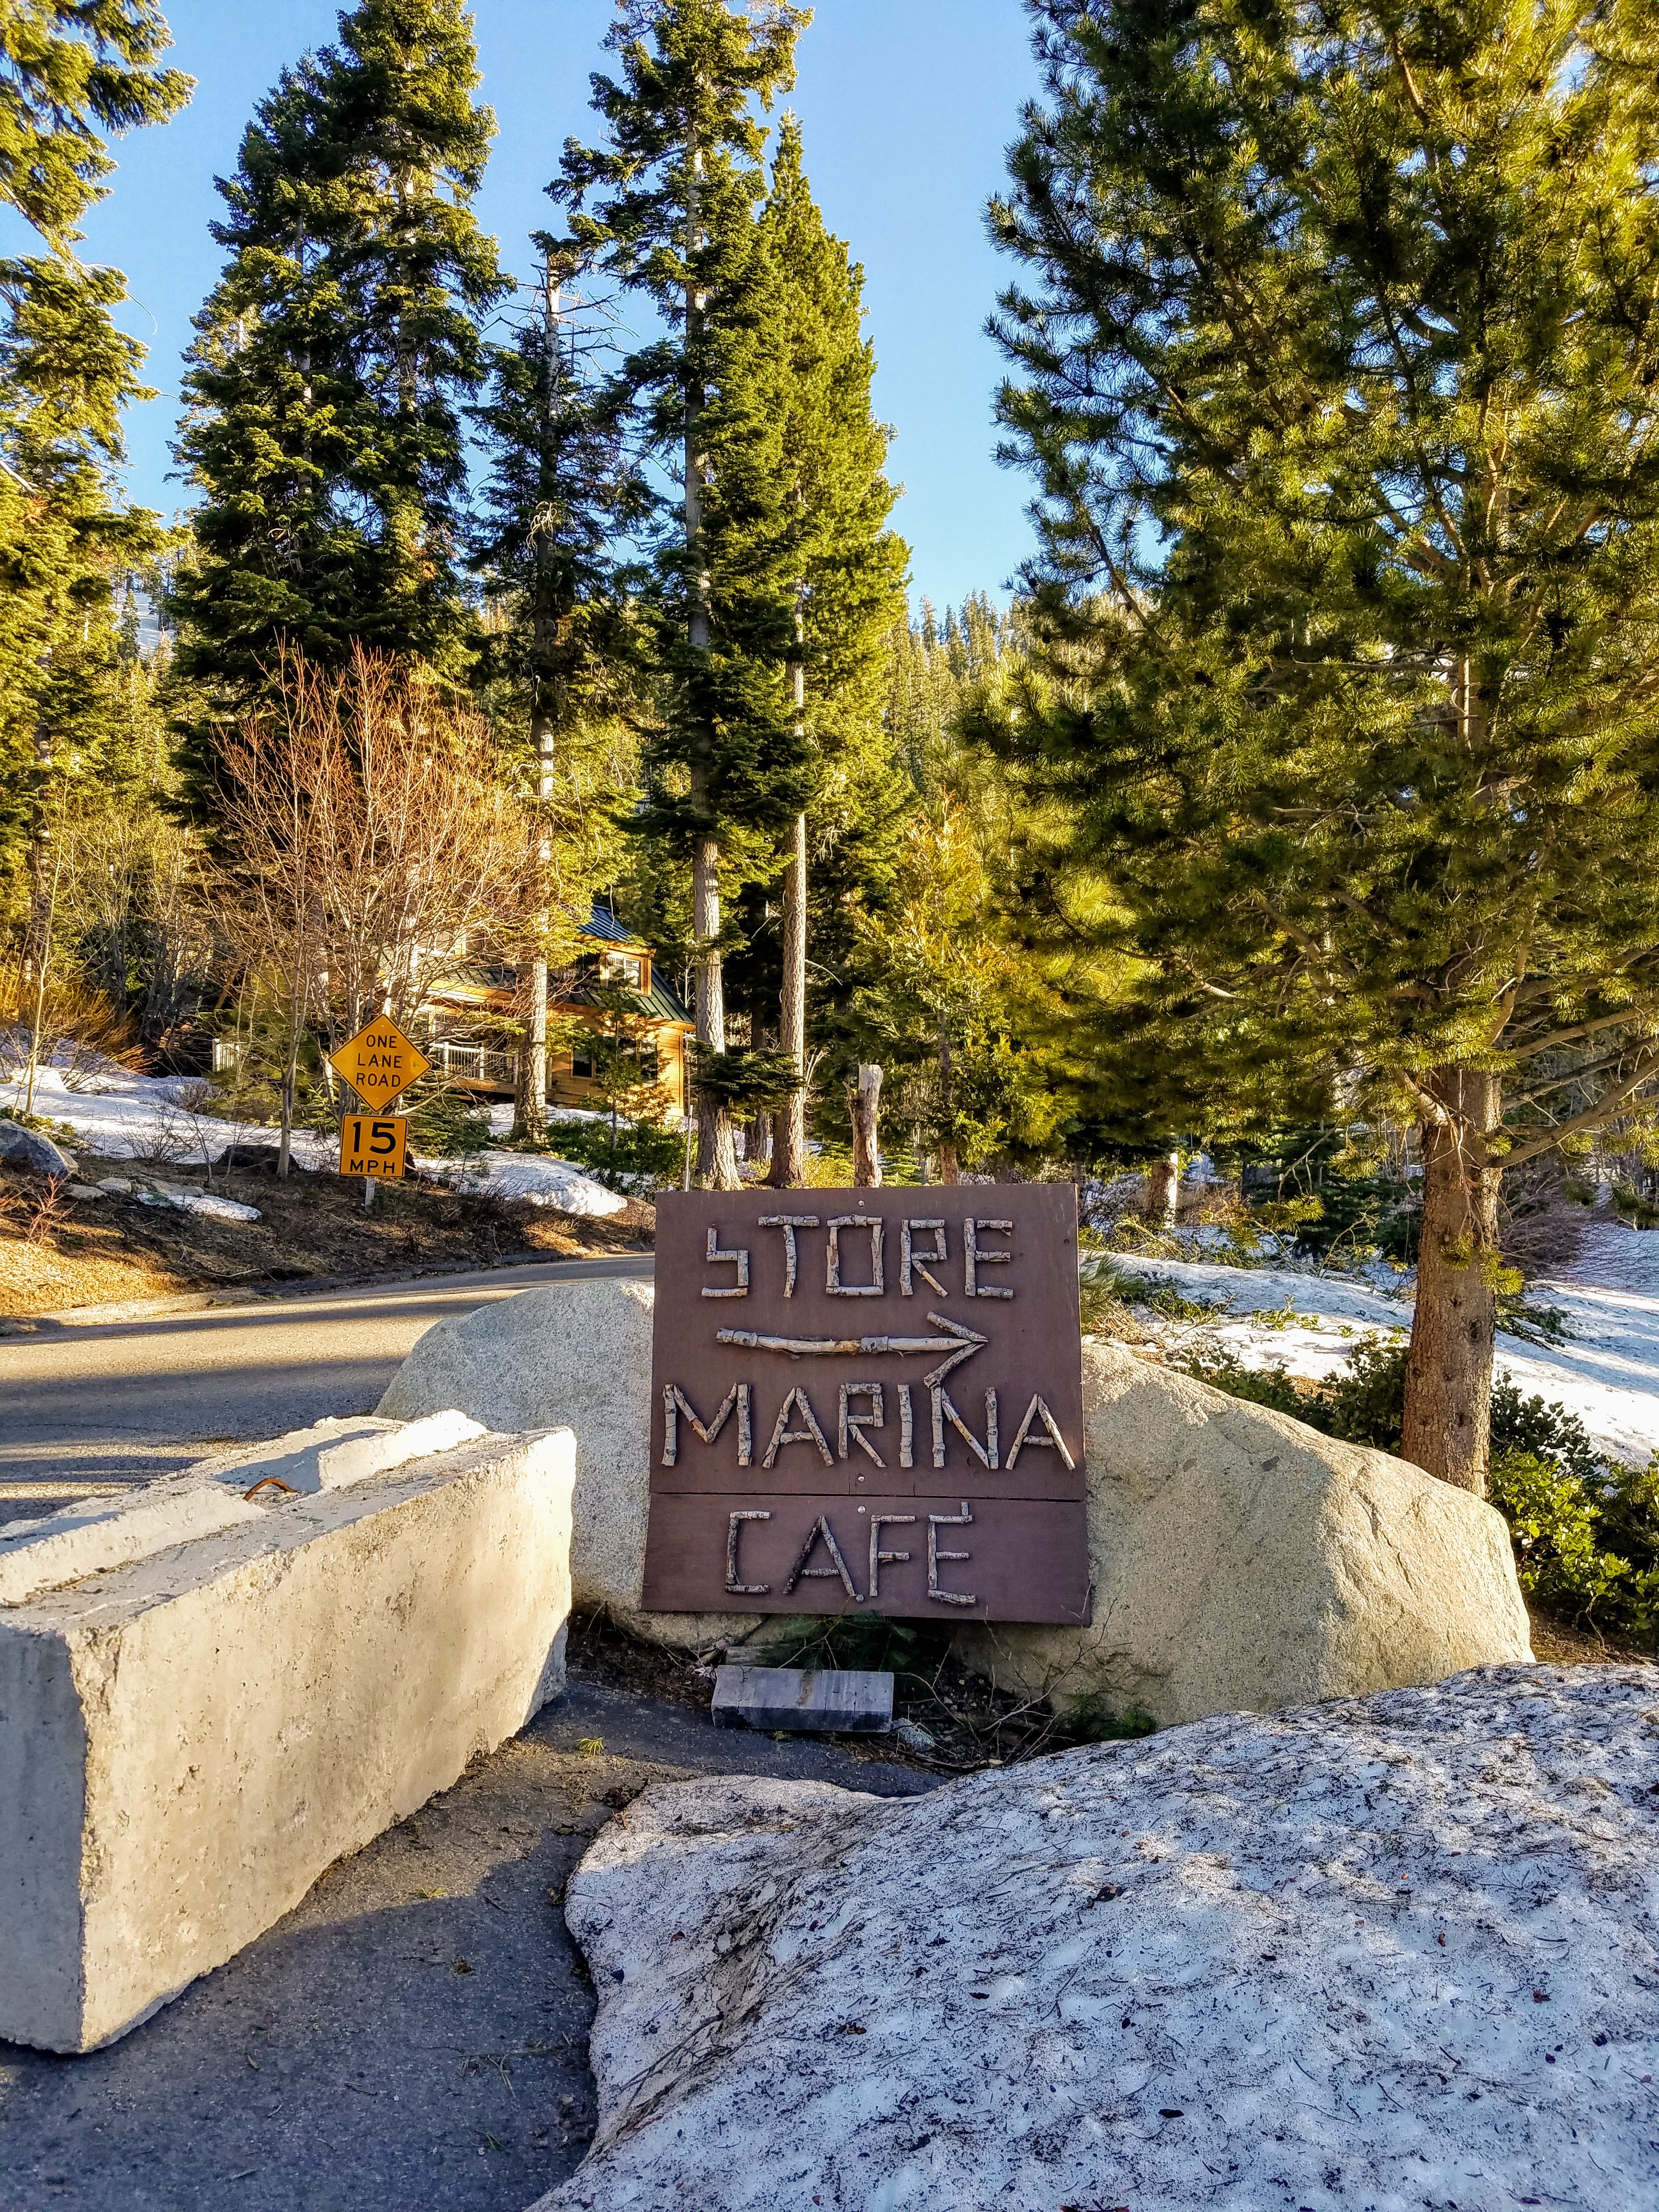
368, 841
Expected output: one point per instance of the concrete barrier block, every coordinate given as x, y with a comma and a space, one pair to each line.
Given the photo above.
240, 1692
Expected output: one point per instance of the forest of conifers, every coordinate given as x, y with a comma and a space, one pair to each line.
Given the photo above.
1298, 801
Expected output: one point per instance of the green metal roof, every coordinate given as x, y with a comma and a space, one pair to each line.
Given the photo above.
659, 1003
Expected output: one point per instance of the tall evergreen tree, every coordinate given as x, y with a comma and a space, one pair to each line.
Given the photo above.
334, 358
847, 567
70, 71
669, 205
1335, 357
560, 491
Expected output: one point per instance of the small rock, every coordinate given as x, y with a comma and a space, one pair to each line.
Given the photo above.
825, 1700
188, 1201
36, 1152
914, 1737
84, 1190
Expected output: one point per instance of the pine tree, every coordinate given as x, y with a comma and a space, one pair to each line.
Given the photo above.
69, 70
333, 359
847, 568
669, 206
1335, 357
560, 491
69, 73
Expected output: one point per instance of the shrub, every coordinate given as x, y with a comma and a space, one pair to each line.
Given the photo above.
1541, 1428
1367, 1406
1090, 1720
634, 1155
1262, 1386
447, 1125
1553, 1515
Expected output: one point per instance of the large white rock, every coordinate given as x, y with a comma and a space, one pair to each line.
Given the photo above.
205, 1699
574, 1355
1241, 1560
1392, 1952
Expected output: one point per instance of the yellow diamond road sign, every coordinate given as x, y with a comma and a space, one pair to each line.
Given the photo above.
380, 1062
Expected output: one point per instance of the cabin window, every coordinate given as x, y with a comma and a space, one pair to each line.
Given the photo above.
626, 968
582, 1058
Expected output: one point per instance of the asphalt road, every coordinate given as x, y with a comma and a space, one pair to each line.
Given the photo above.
414, 2034
413, 2037
85, 1407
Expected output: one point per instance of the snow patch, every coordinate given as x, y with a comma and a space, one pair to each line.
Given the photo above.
1606, 1372
125, 1117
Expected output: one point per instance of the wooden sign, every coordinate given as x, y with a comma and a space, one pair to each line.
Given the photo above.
868, 1401
372, 1146
380, 1062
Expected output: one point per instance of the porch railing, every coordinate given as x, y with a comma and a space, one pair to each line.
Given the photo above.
474, 1063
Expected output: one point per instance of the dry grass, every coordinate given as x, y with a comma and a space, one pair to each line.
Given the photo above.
1558, 1644
110, 1249
35, 1278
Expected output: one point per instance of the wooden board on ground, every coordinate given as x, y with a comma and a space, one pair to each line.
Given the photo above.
868, 1401
374, 1145
380, 1062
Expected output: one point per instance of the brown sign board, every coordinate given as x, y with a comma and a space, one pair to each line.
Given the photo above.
375, 1145
868, 1401
380, 1062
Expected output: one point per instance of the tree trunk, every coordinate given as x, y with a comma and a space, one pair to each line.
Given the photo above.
717, 1152
1162, 1188
529, 1106
866, 1111
949, 1171
789, 1135
1448, 1424
41, 848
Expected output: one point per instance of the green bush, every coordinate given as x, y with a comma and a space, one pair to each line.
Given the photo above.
1553, 1516
1091, 1720
447, 1125
1541, 1428
1367, 1406
1262, 1386
61, 1133
639, 1157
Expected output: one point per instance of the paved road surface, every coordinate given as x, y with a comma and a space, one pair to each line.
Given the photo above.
84, 1406
412, 2037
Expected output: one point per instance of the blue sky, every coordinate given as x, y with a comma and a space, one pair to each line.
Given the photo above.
907, 106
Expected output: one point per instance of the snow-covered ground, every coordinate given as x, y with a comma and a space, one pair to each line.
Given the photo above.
125, 1117
1607, 1371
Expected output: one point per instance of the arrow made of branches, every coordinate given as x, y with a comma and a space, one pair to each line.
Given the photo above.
962, 1343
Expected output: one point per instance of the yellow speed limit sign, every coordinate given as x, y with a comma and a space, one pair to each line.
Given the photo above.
374, 1147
